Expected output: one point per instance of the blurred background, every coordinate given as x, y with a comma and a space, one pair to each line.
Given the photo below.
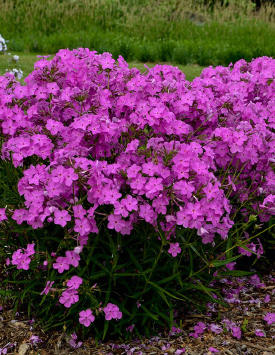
190, 34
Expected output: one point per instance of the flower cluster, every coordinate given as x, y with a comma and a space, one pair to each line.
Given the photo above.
22, 258
135, 148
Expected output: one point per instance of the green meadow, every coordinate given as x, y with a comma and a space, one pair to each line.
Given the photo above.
182, 32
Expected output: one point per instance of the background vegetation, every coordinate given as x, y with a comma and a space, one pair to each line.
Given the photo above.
203, 32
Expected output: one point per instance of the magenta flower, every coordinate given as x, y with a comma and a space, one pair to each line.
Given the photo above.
72, 258
267, 299
130, 328
236, 332
79, 211
82, 226
3, 216
270, 318
47, 289
74, 282
215, 328
174, 249
112, 312
259, 333
115, 222
69, 297
30, 249
86, 317
61, 217
61, 264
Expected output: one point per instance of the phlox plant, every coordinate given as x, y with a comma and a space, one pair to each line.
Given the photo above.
124, 193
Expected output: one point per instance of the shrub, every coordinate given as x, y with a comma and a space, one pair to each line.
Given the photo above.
133, 190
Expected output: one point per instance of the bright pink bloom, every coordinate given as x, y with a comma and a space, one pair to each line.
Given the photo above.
86, 317
112, 312
174, 249
270, 318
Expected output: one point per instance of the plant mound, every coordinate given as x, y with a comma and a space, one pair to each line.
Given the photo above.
124, 193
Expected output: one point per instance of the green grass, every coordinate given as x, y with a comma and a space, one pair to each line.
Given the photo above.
176, 31
27, 60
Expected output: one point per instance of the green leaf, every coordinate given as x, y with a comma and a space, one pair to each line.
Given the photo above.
146, 310
165, 291
169, 278
218, 263
198, 254
134, 260
246, 248
229, 251
162, 234
120, 274
236, 273
106, 325
191, 261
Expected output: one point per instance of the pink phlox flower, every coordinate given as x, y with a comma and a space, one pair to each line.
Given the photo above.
174, 249
112, 312
147, 212
61, 264
270, 318
133, 171
79, 211
138, 182
30, 249
74, 282
54, 126
3, 216
267, 299
48, 288
82, 226
61, 217
69, 297
52, 88
70, 176
115, 222
86, 317
130, 328
106, 61
72, 258
120, 209
34, 339
130, 203
236, 332
200, 327
21, 260
180, 351
259, 333
256, 281
154, 185
149, 168
19, 215
215, 328
73, 342
231, 266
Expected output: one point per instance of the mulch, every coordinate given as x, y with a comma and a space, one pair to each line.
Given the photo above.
250, 306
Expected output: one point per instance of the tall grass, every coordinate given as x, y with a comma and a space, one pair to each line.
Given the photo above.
181, 31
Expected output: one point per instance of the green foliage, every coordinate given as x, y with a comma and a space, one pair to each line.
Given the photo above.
129, 271
176, 31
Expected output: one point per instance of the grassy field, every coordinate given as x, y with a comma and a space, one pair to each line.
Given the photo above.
176, 31
27, 60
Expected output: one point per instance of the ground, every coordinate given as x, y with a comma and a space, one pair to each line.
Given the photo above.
252, 298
